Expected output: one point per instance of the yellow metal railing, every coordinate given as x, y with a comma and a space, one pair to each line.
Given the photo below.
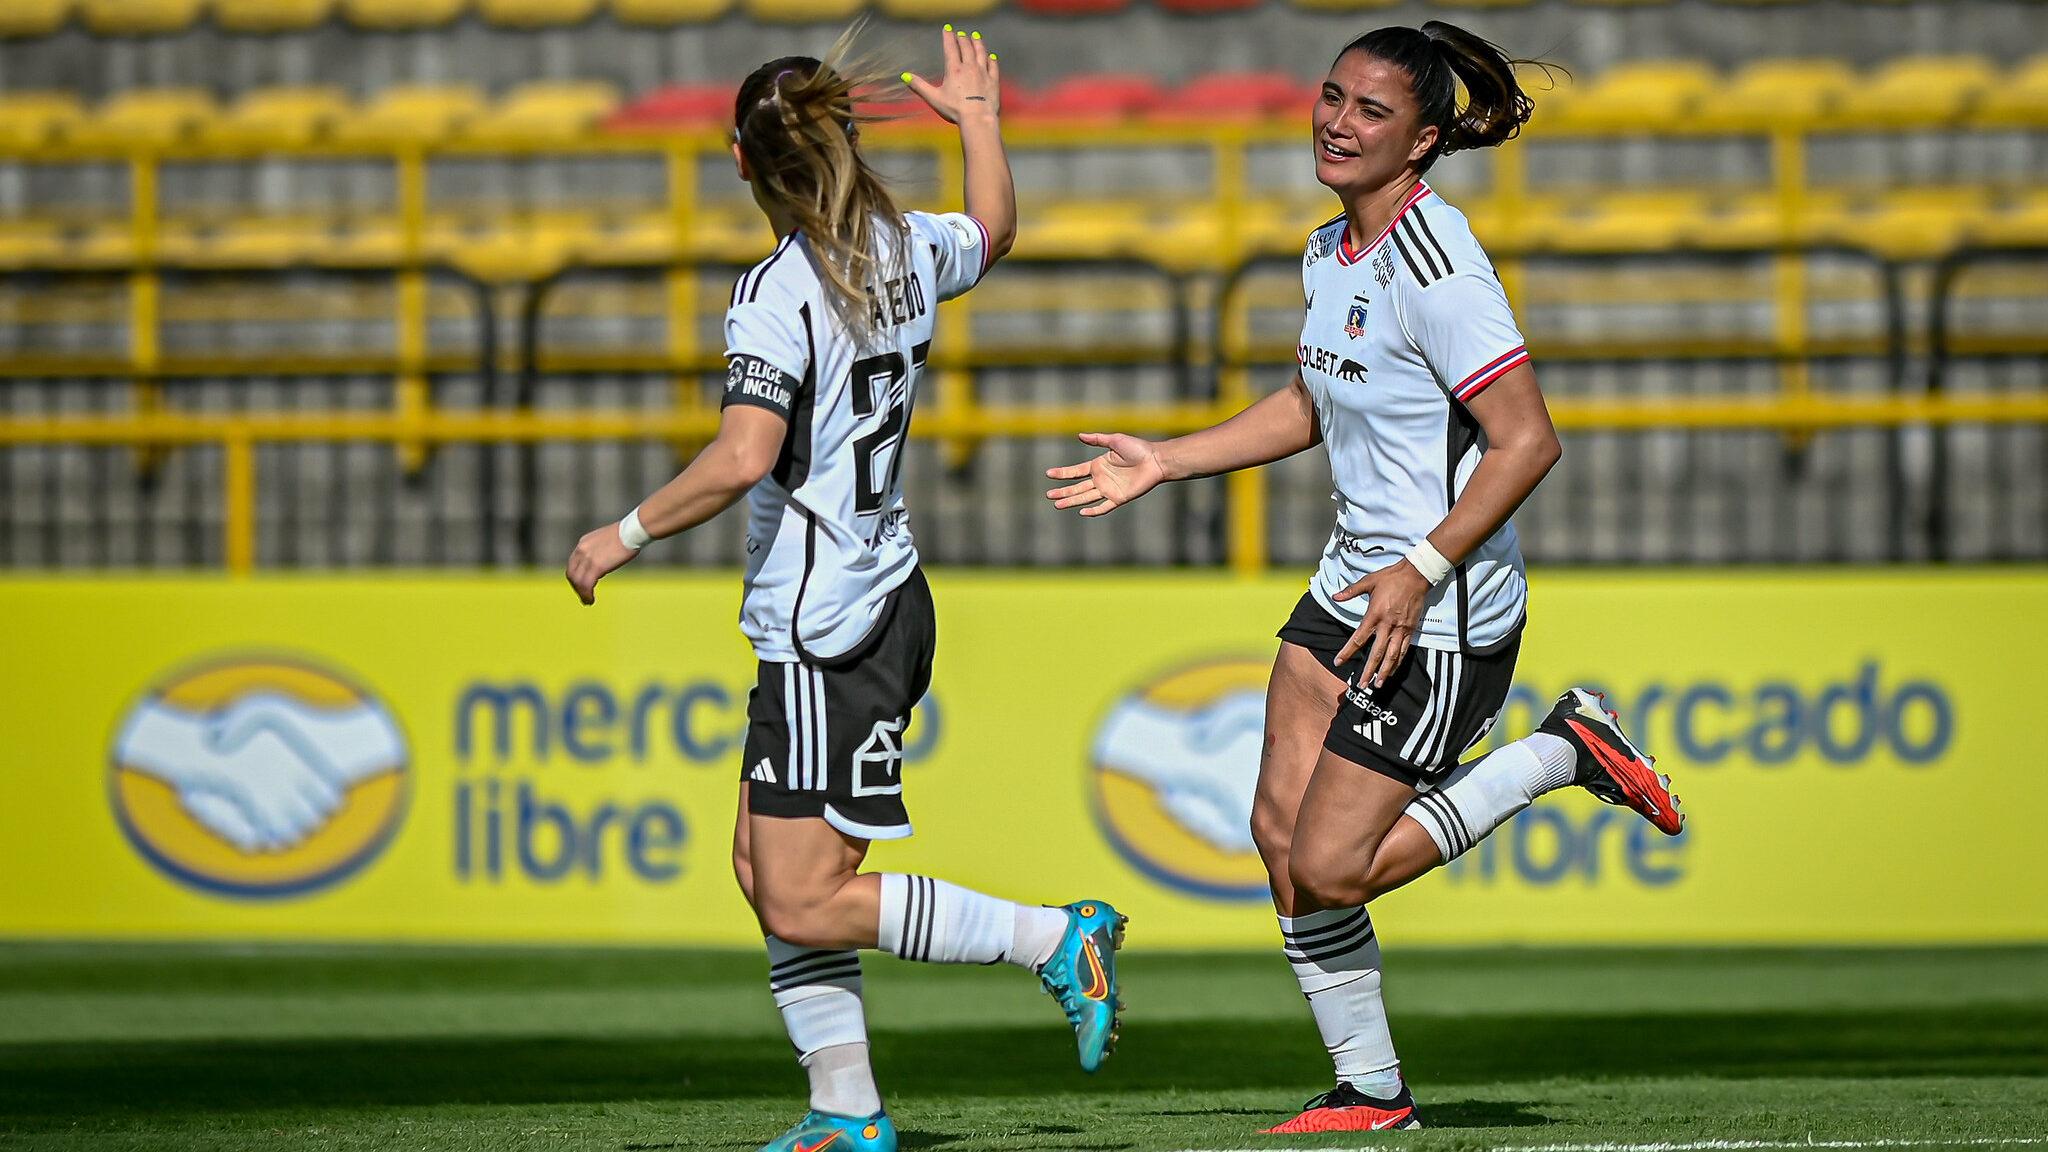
238, 435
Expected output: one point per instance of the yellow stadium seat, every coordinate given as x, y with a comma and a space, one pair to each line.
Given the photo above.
1913, 223
535, 13
640, 238
545, 110
363, 242
30, 243
1640, 94
1916, 91
728, 234
935, 9
109, 244
1553, 90
2021, 98
399, 15
149, 117
413, 114
1636, 221
2022, 223
33, 17
281, 117
1771, 92
139, 17
666, 12
271, 15
1085, 229
32, 119
803, 11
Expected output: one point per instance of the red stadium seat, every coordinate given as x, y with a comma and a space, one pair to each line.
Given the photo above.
1098, 96
676, 106
1201, 7
1237, 96
1073, 7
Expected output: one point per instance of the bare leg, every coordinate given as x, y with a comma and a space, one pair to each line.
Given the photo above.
808, 889
1301, 699
1345, 817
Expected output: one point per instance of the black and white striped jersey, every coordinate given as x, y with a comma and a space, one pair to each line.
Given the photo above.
1397, 338
828, 537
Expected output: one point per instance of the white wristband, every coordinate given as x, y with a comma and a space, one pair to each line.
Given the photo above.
631, 534
1429, 562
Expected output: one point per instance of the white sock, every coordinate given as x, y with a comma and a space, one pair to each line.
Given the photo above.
1038, 933
1483, 794
940, 923
818, 991
1336, 959
843, 1080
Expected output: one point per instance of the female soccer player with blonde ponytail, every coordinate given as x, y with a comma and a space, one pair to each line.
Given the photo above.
1400, 656
826, 342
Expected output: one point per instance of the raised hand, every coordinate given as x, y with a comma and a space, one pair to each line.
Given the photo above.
1127, 471
972, 79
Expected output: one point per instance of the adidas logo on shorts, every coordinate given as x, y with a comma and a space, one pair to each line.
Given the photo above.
764, 772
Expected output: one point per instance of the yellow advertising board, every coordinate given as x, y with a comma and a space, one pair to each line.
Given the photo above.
468, 759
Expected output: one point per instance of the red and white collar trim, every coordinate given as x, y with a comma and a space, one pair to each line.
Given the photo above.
1347, 257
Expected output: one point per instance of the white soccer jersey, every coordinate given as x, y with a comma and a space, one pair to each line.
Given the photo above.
1397, 339
828, 537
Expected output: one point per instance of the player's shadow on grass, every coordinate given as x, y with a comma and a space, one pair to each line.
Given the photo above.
59, 1082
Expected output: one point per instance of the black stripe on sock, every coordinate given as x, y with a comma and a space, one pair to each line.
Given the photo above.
1332, 948
825, 973
805, 957
1449, 819
931, 916
819, 962
1311, 935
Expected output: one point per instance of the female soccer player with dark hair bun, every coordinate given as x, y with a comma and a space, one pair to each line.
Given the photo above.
826, 341
1400, 656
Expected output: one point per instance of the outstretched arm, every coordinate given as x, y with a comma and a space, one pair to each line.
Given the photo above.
1273, 428
970, 95
749, 439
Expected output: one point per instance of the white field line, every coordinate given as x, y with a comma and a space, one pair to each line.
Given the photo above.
1717, 1144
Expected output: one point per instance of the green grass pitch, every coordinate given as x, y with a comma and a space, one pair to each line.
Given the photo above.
162, 1047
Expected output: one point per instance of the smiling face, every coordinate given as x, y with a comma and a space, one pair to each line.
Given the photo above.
1368, 126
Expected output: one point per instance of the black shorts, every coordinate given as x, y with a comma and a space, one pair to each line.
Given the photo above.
827, 739
1430, 712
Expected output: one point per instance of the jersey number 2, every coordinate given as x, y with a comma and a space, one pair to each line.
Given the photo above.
882, 383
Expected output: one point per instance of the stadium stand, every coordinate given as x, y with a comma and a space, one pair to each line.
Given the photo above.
1681, 231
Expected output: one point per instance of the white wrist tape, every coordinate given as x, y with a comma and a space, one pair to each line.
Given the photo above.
631, 534
1429, 562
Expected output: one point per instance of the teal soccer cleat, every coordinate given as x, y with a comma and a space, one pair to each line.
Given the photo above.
824, 1132
1082, 976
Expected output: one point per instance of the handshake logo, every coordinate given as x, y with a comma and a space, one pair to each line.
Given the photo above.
1175, 766
259, 777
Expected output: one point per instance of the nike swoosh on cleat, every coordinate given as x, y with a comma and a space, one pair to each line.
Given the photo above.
800, 1146
1098, 980
1390, 1122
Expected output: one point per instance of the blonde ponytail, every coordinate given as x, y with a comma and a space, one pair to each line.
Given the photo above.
797, 122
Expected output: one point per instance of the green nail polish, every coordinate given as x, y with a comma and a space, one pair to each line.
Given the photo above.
977, 35
906, 77
949, 27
